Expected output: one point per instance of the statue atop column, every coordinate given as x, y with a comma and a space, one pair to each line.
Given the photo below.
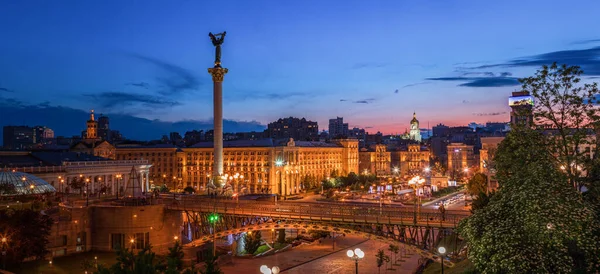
217, 40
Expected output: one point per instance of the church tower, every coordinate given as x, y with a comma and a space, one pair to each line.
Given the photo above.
92, 127
415, 132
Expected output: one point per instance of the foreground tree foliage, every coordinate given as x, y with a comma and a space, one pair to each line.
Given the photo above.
569, 109
477, 184
27, 234
252, 241
537, 222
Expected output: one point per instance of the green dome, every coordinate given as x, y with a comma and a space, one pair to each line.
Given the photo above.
23, 183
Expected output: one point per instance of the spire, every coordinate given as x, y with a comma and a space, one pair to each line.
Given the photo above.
414, 114
92, 115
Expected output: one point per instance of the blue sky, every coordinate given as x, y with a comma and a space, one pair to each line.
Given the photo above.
372, 62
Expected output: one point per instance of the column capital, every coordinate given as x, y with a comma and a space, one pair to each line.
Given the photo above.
218, 73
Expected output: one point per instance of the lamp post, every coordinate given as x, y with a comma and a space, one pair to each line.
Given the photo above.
266, 270
213, 218
118, 176
355, 255
415, 183
87, 191
442, 251
4, 247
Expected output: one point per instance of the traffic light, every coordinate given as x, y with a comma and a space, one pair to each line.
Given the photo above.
213, 218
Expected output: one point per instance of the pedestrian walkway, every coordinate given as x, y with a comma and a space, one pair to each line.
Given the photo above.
293, 257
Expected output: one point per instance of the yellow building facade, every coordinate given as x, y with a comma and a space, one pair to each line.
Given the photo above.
376, 160
413, 160
258, 166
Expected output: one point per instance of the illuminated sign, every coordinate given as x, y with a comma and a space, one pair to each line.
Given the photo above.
520, 100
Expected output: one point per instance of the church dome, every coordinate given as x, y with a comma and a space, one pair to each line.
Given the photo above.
414, 119
25, 183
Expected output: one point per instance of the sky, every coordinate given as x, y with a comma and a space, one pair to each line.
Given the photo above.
372, 62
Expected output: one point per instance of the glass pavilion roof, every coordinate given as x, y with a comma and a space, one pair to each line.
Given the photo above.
26, 183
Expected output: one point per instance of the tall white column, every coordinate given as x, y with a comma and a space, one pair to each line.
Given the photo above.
218, 74
147, 181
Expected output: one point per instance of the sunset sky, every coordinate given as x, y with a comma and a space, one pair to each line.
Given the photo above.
371, 62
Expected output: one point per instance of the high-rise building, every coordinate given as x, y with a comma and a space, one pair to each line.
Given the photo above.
291, 127
415, 132
104, 128
43, 134
521, 103
461, 158
337, 128
18, 137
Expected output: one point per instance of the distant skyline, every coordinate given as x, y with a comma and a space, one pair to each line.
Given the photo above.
371, 62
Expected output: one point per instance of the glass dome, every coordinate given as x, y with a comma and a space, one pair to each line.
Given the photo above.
25, 183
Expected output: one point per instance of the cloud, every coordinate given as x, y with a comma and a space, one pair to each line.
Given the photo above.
364, 101
175, 80
587, 59
66, 121
369, 65
113, 99
5, 89
466, 101
139, 85
415, 84
583, 42
499, 81
343, 100
490, 113
270, 96
396, 91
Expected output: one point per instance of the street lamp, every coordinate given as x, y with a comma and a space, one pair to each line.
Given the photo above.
266, 270
442, 251
4, 247
416, 182
118, 176
87, 191
355, 255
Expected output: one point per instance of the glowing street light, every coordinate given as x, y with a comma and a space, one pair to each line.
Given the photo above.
355, 255
266, 270
442, 251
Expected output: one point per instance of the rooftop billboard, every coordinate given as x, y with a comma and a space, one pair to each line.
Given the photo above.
520, 100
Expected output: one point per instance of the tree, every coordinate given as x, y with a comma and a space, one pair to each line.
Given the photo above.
211, 266
189, 190
77, 183
481, 200
393, 249
477, 184
569, 108
536, 222
438, 169
128, 263
381, 259
252, 241
7, 189
175, 259
27, 234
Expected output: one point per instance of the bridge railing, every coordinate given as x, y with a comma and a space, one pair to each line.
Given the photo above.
321, 212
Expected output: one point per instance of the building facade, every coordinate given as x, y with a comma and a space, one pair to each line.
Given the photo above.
291, 127
414, 160
461, 157
375, 160
18, 137
251, 166
489, 146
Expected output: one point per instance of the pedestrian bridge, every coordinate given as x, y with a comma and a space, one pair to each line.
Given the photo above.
421, 229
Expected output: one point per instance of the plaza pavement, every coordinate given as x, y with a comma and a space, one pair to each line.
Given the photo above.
320, 258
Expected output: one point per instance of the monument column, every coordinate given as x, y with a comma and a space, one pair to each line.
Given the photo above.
218, 74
